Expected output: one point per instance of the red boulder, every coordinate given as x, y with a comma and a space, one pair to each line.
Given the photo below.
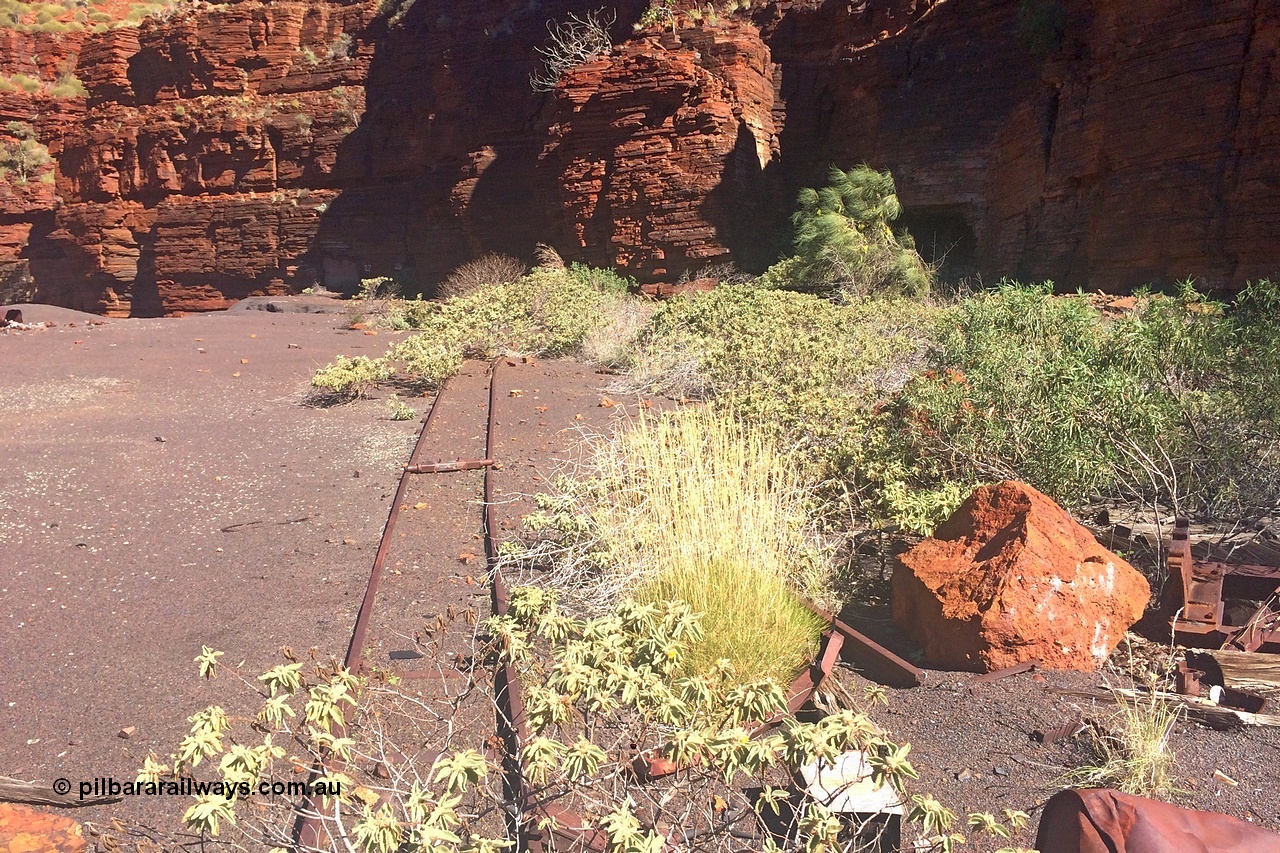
1011, 577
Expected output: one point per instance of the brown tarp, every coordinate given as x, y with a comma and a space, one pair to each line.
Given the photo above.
1102, 821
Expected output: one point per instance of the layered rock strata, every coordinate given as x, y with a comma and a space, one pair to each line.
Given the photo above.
254, 147
205, 159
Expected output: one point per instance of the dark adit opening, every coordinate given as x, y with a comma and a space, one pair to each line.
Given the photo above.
943, 238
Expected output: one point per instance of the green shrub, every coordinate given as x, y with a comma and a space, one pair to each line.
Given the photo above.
68, 86
352, 377
23, 155
901, 408
1174, 403
341, 47
54, 26
548, 312
25, 83
845, 243
1027, 387
803, 368
659, 13
604, 279
596, 691
400, 411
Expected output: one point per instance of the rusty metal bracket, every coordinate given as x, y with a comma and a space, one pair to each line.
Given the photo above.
878, 661
448, 467
1201, 607
997, 675
1263, 627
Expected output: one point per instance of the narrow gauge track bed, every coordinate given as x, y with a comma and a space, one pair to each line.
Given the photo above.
487, 444
480, 457
432, 558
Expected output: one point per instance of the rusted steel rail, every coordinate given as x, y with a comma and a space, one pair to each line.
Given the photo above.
879, 662
1201, 603
356, 647
535, 825
447, 467
569, 831
311, 829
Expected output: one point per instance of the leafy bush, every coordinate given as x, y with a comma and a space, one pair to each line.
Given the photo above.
606, 280
845, 244
399, 411
548, 312
378, 287
659, 13
352, 377
25, 82
68, 86
803, 368
23, 155
1174, 403
394, 10
901, 408
596, 692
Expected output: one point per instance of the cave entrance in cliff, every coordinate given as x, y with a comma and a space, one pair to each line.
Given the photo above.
944, 238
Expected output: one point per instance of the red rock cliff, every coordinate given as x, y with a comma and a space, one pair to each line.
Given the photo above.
256, 147
1141, 147
28, 202
206, 158
656, 147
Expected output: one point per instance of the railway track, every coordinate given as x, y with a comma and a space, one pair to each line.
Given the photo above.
481, 453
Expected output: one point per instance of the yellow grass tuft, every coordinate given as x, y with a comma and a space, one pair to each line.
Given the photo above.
695, 507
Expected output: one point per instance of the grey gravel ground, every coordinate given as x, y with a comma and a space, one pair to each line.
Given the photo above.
163, 487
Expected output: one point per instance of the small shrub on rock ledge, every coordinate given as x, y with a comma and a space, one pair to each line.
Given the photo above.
23, 155
571, 42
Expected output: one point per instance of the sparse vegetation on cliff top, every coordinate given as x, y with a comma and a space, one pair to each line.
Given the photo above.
97, 15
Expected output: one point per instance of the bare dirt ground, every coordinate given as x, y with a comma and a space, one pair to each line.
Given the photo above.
163, 487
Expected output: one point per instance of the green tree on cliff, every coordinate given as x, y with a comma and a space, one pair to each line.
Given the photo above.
22, 154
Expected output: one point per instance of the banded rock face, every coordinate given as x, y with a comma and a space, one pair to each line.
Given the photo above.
322, 143
1140, 146
27, 206
204, 157
1011, 577
659, 146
